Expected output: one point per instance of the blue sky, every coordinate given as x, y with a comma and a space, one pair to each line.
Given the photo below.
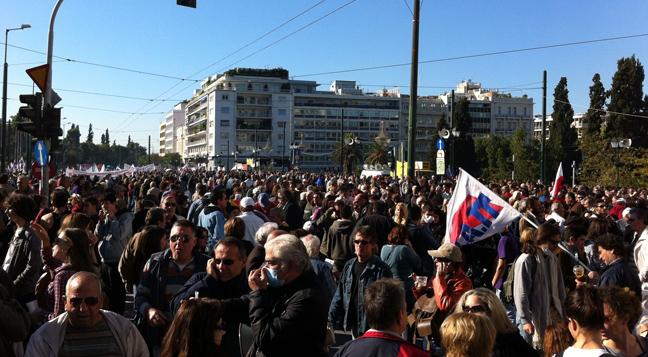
160, 37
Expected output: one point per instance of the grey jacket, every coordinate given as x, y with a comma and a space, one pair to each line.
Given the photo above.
48, 339
114, 235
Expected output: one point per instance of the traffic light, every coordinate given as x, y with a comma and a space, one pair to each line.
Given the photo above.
31, 114
52, 126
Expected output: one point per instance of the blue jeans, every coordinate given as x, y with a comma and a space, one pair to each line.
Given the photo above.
509, 307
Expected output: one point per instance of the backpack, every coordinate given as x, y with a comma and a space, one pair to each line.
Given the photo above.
507, 286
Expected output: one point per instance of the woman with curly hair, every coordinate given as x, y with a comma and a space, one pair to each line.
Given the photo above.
196, 330
622, 308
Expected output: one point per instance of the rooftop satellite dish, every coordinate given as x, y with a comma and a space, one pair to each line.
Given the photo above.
445, 133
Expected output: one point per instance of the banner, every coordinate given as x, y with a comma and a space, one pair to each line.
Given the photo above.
558, 182
475, 212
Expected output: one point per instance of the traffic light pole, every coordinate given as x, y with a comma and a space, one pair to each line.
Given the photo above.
44, 184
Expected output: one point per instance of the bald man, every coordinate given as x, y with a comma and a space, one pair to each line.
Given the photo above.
84, 329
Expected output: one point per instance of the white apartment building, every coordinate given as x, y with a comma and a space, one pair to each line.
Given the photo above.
579, 123
242, 115
493, 112
322, 118
171, 130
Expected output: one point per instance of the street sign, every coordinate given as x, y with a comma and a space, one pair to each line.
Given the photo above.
40, 152
440, 144
440, 154
39, 74
440, 166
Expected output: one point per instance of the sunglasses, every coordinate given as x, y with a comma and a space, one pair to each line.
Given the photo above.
600, 206
361, 242
184, 238
224, 261
475, 309
88, 300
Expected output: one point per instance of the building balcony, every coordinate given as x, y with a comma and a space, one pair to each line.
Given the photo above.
254, 125
196, 143
196, 120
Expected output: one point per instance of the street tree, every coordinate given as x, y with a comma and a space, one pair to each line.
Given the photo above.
626, 102
594, 115
562, 136
90, 137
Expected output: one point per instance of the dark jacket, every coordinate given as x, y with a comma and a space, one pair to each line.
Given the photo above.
289, 321
339, 310
620, 274
151, 291
380, 344
23, 263
512, 345
293, 215
338, 242
208, 287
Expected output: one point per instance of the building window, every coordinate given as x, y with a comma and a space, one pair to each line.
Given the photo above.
224, 135
225, 110
223, 148
524, 110
224, 123
281, 112
281, 124
514, 110
225, 97
509, 110
499, 110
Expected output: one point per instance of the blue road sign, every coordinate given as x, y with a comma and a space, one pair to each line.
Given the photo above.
40, 153
440, 144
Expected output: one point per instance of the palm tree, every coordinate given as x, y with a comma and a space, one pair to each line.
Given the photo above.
376, 155
348, 155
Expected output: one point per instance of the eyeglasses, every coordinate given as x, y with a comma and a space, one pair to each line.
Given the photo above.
475, 309
361, 242
88, 300
169, 204
224, 261
600, 206
183, 237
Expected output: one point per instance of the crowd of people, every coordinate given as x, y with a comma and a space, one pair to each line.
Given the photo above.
192, 262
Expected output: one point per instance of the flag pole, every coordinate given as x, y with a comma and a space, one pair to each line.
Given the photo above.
560, 245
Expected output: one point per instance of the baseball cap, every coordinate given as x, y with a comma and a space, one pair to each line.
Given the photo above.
247, 202
447, 251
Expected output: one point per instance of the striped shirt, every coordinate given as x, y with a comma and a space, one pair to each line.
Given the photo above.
96, 341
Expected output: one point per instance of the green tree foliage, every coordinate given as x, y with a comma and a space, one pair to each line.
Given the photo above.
348, 155
626, 97
107, 137
442, 124
461, 119
90, 137
376, 154
562, 145
594, 116
526, 153
493, 157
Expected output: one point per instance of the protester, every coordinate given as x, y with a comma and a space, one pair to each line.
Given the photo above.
399, 255
508, 341
151, 239
584, 310
85, 327
197, 330
622, 309
346, 310
384, 302
323, 270
617, 272
467, 335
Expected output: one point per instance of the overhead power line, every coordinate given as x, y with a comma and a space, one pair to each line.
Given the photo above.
485, 54
101, 94
71, 60
607, 111
102, 109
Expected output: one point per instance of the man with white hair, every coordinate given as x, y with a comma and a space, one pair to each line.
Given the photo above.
85, 327
322, 269
558, 215
287, 306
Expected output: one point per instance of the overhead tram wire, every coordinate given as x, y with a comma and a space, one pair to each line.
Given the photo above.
234, 52
275, 42
72, 60
607, 111
103, 109
100, 94
485, 54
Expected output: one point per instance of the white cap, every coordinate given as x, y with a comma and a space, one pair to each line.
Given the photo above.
247, 202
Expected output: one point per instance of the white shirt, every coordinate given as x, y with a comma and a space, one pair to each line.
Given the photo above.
580, 352
641, 260
558, 218
252, 225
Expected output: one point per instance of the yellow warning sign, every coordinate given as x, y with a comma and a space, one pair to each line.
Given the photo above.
39, 75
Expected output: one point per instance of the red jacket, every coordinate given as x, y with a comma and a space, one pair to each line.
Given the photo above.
448, 291
380, 344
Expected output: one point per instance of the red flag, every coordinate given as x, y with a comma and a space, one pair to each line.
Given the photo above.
558, 183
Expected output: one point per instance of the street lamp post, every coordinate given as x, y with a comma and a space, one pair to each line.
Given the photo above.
618, 144
4, 98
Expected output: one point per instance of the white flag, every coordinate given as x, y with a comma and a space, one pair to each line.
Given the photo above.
475, 212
